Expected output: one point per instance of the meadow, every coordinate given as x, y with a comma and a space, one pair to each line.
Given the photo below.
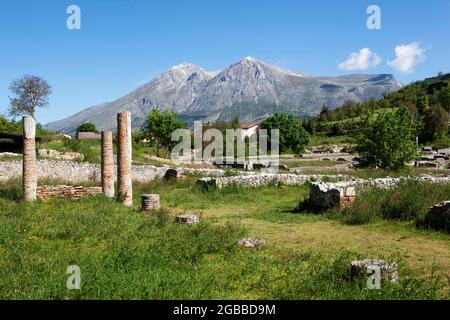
124, 253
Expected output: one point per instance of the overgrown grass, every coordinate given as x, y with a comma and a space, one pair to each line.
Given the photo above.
409, 201
322, 139
126, 254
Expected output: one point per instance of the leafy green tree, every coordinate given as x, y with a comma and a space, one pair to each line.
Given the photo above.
235, 123
435, 124
86, 127
337, 129
388, 140
293, 136
444, 98
10, 126
423, 104
160, 125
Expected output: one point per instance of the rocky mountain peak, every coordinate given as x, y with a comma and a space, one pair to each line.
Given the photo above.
249, 88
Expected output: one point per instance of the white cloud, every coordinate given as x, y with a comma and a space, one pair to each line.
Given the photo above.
407, 57
362, 60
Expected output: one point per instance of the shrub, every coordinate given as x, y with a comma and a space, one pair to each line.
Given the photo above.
365, 209
388, 140
292, 134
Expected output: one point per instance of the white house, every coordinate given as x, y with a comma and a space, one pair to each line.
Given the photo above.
248, 130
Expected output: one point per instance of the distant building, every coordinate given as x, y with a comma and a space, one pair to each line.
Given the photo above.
89, 136
248, 130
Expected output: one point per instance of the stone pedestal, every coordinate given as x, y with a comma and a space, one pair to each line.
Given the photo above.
150, 202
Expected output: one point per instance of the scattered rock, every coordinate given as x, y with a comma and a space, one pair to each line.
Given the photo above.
388, 270
10, 154
188, 219
173, 174
251, 242
438, 216
58, 155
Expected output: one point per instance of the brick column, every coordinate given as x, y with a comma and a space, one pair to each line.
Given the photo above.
107, 164
124, 158
29, 168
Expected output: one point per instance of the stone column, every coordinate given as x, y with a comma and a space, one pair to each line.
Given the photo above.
124, 158
107, 164
29, 170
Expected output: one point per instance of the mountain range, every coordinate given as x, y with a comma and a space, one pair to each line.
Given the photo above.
249, 88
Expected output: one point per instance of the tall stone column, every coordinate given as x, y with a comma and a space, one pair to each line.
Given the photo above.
124, 158
107, 164
29, 167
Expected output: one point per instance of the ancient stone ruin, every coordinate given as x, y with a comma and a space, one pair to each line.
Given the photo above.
251, 242
68, 192
258, 180
29, 170
388, 271
124, 156
107, 167
325, 196
58, 155
150, 202
188, 219
173, 175
438, 216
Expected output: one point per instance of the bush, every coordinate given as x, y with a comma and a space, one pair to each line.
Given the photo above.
293, 136
403, 202
87, 127
388, 140
365, 209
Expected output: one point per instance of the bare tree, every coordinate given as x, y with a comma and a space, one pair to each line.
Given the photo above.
29, 92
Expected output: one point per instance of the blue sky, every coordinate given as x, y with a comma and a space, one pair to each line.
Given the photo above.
123, 44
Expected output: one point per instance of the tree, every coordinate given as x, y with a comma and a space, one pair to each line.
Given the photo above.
324, 113
388, 140
235, 123
293, 136
434, 124
160, 125
9, 126
87, 127
423, 104
337, 129
28, 93
444, 98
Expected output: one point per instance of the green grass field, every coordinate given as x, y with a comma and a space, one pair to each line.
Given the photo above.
126, 254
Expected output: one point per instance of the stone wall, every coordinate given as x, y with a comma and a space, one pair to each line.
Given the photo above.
78, 172
69, 192
257, 180
326, 195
